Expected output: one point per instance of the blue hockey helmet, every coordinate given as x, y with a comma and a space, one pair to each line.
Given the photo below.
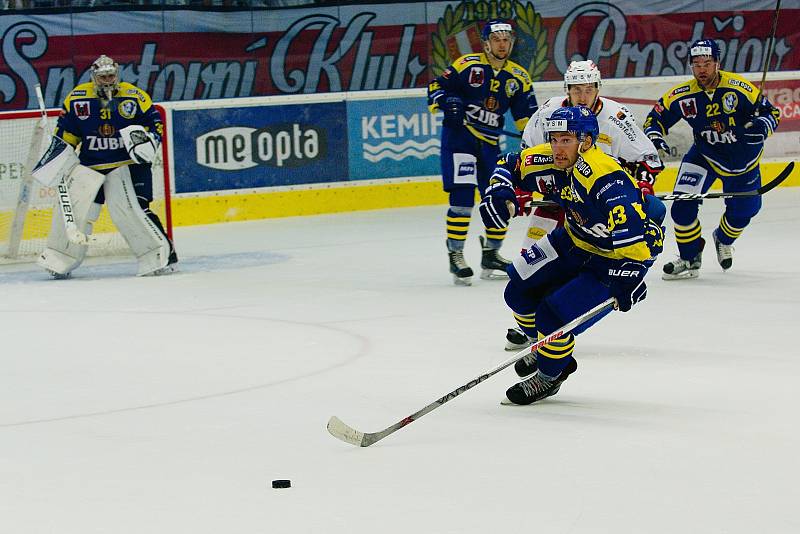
497, 26
704, 47
578, 120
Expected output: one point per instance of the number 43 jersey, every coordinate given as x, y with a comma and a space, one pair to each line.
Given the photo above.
717, 118
86, 122
603, 205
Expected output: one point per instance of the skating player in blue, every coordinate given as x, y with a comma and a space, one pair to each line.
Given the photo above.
474, 93
611, 236
730, 121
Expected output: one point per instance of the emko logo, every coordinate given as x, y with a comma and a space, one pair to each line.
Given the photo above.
277, 145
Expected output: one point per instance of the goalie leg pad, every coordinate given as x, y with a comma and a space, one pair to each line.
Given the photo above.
61, 256
147, 242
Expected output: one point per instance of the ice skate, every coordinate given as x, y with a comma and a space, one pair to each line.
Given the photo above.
462, 273
58, 276
526, 366
537, 387
724, 253
681, 269
516, 339
493, 265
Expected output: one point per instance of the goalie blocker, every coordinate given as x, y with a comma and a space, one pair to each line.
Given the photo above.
130, 213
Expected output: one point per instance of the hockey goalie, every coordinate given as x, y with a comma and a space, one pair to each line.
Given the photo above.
117, 132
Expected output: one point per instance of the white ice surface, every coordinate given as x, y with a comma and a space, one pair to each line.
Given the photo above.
167, 405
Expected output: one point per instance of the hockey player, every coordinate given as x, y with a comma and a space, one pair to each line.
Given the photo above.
730, 120
118, 132
611, 236
620, 137
474, 93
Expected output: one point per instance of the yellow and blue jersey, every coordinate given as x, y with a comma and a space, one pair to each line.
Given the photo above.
85, 121
717, 119
487, 94
604, 208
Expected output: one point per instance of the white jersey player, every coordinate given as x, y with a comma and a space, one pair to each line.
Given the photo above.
620, 137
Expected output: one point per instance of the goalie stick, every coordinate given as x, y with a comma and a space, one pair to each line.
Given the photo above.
769, 186
65, 201
348, 434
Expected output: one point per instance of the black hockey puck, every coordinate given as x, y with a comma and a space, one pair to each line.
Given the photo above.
281, 484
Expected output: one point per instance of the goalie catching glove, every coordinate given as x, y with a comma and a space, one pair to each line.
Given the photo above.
140, 144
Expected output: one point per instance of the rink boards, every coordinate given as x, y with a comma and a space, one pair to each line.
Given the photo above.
263, 157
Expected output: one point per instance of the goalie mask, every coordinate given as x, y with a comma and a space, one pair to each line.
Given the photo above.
105, 77
498, 39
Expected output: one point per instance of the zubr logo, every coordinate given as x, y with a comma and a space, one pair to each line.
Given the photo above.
277, 145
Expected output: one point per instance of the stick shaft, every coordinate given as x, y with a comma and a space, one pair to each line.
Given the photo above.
349, 435
770, 48
713, 194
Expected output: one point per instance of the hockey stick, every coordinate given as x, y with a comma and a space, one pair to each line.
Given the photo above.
492, 131
348, 434
769, 186
768, 57
65, 202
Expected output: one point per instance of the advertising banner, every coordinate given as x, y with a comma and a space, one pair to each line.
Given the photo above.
199, 54
391, 138
259, 146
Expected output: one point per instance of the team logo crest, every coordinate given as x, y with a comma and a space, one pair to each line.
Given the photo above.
458, 32
512, 86
729, 102
106, 130
491, 104
476, 76
127, 108
689, 108
621, 115
717, 126
546, 183
82, 110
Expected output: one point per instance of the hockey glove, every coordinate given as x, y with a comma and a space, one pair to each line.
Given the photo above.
626, 283
453, 109
140, 144
524, 199
658, 142
499, 205
756, 132
646, 187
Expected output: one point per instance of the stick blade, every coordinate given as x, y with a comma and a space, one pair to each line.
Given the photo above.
783, 175
338, 429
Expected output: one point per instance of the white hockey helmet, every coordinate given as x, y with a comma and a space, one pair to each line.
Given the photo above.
105, 76
582, 72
